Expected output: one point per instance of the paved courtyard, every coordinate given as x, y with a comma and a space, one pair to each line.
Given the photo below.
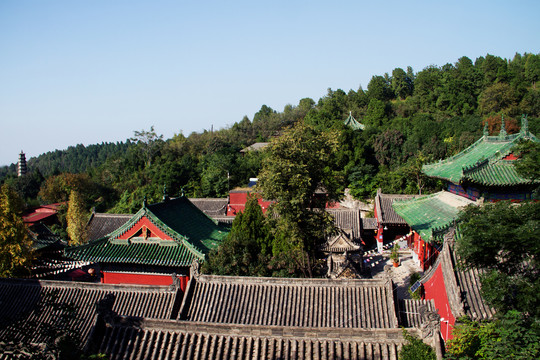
400, 275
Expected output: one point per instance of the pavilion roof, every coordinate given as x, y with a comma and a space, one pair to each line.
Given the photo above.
431, 215
193, 235
488, 148
353, 123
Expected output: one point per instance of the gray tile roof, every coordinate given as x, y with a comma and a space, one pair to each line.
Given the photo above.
469, 284
369, 223
384, 210
289, 302
463, 287
347, 219
411, 311
211, 206
187, 340
100, 224
34, 302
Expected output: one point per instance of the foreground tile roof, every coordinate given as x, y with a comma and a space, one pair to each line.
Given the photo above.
21, 299
289, 302
152, 339
431, 215
411, 311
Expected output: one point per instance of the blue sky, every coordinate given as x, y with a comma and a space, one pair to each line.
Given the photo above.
90, 71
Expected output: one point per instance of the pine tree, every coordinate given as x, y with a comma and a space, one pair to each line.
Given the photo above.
15, 244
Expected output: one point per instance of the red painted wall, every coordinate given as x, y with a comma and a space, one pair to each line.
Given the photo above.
510, 156
435, 289
427, 254
238, 200
141, 279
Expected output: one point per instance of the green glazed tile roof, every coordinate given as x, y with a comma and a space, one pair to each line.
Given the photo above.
492, 148
431, 215
495, 173
105, 251
194, 234
353, 123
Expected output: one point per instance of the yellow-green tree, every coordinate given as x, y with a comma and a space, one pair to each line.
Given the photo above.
76, 219
15, 243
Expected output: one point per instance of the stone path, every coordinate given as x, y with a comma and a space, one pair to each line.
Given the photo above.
400, 275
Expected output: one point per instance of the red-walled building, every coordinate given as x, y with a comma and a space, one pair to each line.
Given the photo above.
455, 292
429, 218
155, 245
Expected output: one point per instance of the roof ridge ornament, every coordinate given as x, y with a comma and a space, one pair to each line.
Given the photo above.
145, 201
486, 130
524, 125
165, 195
502, 134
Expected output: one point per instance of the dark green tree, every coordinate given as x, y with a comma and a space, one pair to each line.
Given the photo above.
502, 238
379, 88
510, 336
532, 69
247, 249
528, 164
300, 175
415, 349
402, 84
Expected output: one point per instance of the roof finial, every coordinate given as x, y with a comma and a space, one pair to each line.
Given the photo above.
524, 124
144, 202
502, 134
182, 192
486, 130
165, 195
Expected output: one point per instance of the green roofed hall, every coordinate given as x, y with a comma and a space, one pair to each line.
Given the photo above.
171, 233
431, 215
488, 148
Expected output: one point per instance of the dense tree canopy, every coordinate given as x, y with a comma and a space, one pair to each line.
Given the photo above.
300, 174
437, 111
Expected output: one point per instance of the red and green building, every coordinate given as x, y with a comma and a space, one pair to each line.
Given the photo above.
429, 217
486, 168
160, 240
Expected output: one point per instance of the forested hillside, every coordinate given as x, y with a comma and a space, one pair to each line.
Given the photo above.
410, 119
